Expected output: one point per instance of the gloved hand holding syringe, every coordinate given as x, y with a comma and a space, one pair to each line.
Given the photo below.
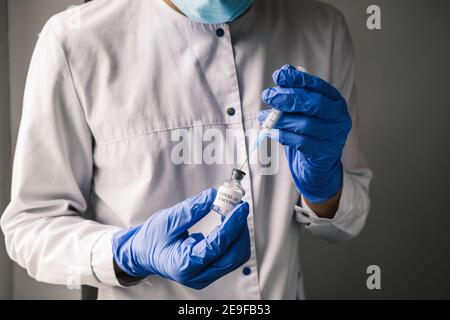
267, 126
312, 122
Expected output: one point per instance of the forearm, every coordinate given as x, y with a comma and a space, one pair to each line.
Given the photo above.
60, 252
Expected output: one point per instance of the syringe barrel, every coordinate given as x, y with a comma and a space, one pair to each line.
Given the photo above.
275, 114
272, 119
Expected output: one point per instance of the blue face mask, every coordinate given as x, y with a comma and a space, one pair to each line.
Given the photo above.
213, 11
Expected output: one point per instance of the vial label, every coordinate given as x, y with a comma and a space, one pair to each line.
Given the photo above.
226, 200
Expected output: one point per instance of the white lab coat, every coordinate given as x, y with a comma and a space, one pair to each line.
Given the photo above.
103, 99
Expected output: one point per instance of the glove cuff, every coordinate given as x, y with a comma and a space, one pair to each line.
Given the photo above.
333, 182
123, 254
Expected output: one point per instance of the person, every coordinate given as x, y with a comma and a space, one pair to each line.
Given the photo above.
96, 198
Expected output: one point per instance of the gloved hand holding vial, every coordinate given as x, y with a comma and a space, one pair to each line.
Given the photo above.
229, 194
163, 246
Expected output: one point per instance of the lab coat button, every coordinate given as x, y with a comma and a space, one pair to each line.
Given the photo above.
246, 271
231, 111
220, 32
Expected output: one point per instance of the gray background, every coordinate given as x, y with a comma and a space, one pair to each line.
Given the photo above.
5, 265
403, 75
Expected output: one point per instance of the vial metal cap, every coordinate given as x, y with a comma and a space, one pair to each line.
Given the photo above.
237, 174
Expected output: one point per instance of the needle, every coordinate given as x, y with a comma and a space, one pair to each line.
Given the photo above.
244, 163
257, 142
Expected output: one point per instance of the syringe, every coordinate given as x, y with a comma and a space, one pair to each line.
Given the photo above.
268, 124
271, 121
266, 127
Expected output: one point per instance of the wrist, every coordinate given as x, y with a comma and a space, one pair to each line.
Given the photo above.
326, 209
124, 278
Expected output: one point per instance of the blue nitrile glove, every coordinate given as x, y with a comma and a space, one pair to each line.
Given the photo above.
163, 246
313, 129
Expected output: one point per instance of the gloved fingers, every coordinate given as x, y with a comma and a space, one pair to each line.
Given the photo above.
289, 77
308, 146
236, 255
309, 126
297, 100
220, 239
187, 213
193, 239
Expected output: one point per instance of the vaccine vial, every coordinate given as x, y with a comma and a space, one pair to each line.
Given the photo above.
229, 194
